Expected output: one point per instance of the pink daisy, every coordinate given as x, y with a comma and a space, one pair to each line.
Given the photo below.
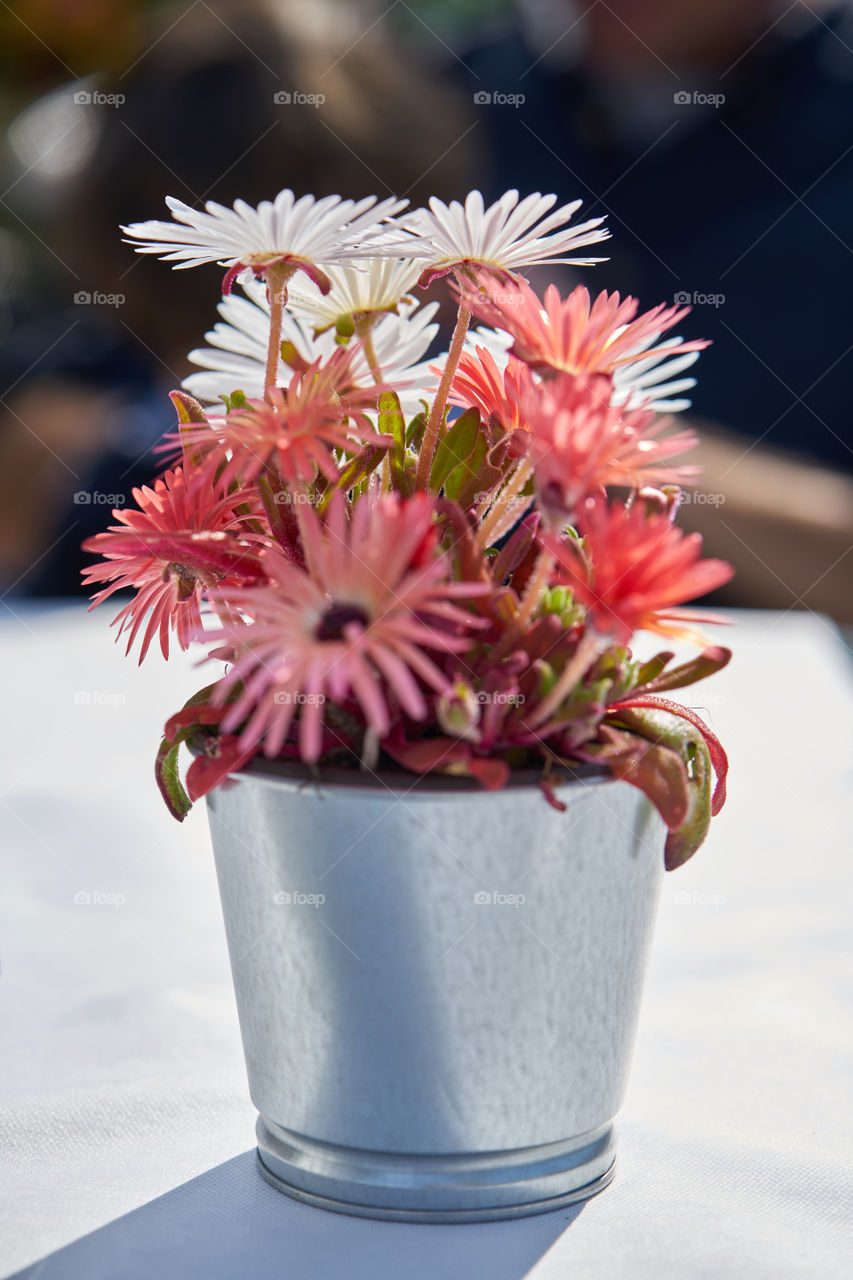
578, 442
633, 567
186, 537
480, 383
574, 335
320, 409
375, 594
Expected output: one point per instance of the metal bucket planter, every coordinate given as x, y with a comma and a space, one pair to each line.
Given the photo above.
438, 987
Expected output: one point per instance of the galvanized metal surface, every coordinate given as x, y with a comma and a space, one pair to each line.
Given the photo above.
438, 989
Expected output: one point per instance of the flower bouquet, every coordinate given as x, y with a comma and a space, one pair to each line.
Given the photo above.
430, 565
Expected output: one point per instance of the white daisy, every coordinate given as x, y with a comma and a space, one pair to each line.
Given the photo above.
635, 383
298, 234
236, 357
360, 288
507, 236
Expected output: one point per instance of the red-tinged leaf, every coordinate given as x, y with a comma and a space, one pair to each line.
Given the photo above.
427, 754
193, 717
712, 659
650, 670
719, 759
659, 772
547, 788
188, 409
516, 547
169, 781
211, 768
493, 775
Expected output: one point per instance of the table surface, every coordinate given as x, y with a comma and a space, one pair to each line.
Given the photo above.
126, 1125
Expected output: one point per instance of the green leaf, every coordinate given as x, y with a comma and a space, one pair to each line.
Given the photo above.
168, 778
415, 432
456, 447
392, 423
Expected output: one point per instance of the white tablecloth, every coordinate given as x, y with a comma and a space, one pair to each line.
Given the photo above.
126, 1129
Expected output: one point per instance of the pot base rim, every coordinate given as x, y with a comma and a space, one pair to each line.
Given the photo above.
479, 1187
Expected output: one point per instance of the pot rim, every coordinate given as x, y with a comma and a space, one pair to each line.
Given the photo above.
296, 773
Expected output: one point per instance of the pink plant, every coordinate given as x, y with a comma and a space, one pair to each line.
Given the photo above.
376, 595
188, 536
412, 592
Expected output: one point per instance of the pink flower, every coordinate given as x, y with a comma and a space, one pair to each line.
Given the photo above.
355, 622
320, 409
186, 536
579, 442
633, 568
573, 335
479, 383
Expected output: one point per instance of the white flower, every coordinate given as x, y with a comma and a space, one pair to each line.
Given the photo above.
236, 357
505, 237
359, 288
299, 233
635, 383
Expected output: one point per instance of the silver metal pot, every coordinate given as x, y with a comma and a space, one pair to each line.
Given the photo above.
438, 987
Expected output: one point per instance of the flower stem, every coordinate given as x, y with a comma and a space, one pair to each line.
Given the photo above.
277, 278
582, 659
439, 404
364, 330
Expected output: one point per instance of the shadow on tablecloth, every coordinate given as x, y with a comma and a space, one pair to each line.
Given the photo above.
228, 1224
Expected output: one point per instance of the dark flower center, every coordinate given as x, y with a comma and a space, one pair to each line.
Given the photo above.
337, 616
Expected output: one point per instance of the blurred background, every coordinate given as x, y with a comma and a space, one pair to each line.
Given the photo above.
717, 137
